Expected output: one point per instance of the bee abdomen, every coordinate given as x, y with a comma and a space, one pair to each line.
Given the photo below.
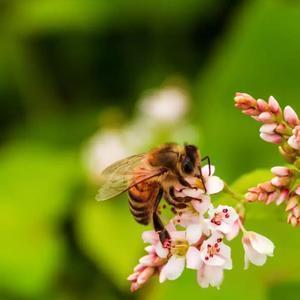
141, 201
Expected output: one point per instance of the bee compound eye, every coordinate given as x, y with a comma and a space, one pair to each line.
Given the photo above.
187, 166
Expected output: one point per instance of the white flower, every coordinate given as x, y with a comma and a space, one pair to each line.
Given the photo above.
210, 261
224, 219
215, 253
169, 104
257, 248
103, 149
183, 252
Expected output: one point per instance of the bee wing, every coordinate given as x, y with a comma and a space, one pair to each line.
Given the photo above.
123, 174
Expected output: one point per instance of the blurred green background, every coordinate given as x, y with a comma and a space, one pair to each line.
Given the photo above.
84, 82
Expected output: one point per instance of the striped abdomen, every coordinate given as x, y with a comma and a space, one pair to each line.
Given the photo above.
142, 198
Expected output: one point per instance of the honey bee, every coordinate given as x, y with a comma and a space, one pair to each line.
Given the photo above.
150, 176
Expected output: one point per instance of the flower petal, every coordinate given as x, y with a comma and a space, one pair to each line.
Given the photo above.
261, 244
177, 235
214, 185
174, 267
193, 233
253, 256
205, 170
201, 279
161, 251
202, 205
193, 258
150, 237
214, 275
234, 231
193, 193
225, 251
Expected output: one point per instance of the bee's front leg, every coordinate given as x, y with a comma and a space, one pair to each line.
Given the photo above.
178, 200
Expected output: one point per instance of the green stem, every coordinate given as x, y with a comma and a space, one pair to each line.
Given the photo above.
227, 190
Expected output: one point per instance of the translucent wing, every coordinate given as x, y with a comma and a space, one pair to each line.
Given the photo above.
123, 174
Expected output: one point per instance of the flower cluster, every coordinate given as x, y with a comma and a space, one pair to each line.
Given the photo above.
197, 239
283, 188
282, 127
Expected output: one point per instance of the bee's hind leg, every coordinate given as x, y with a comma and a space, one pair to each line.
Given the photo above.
159, 227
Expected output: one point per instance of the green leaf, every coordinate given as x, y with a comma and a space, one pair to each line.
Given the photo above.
36, 183
251, 179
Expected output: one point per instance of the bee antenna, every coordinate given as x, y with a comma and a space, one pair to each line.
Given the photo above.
202, 180
209, 164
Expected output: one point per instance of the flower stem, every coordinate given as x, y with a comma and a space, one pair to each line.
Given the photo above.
227, 190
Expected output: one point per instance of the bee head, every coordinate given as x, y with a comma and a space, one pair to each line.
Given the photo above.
190, 160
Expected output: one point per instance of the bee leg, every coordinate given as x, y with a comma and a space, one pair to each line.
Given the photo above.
159, 227
163, 233
173, 202
179, 199
185, 184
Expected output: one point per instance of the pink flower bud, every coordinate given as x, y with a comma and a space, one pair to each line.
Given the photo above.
267, 186
254, 190
243, 98
266, 117
273, 104
268, 128
281, 171
145, 275
251, 112
272, 197
292, 203
251, 197
294, 140
290, 116
133, 276
262, 105
292, 219
297, 191
262, 196
284, 194
146, 260
280, 181
296, 211
281, 128
271, 138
